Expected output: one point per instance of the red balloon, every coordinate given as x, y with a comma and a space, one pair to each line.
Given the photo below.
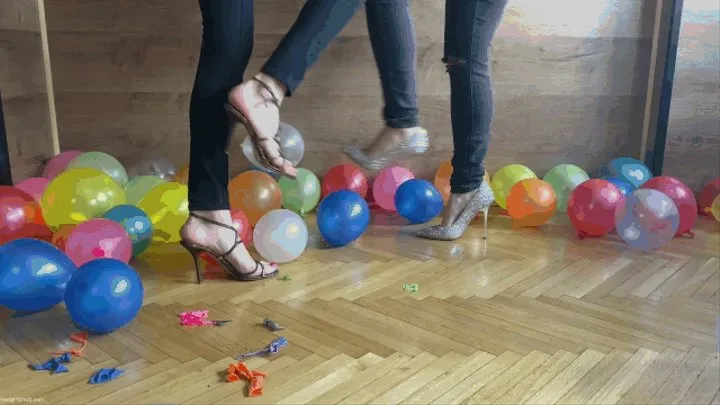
20, 216
683, 198
591, 207
707, 196
345, 177
242, 225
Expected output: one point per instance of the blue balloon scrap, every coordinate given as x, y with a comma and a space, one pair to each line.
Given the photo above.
105, 374
342, 217
418, 201
104, 295
54, 365
273, 348
622, 185
33, 275
631, 170
136, 223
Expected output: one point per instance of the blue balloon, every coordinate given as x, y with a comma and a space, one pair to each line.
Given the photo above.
342, 217
647, 219
622, 185
136, 223
631, 170
418, 201
104, 295
33, 275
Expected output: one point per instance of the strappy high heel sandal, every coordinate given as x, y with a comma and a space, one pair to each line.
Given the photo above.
269, 163
195, 250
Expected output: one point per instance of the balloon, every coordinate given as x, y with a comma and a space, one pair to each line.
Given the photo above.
182, 175
33, 275
255, 193
715, 208
136, 223
103, 162
622, 185
243, 229
563, 179
345, 177
34, 186
104, 295
532, 202
292, 146
302, 194
78, 195
591, 207
505, 178
386, 184
98, 238
442, 179
59, 163
156, 167
681, 195
647, 219
167, 207
280, 236
418, 201
138, 187
708, 195
342, 217
20, 216
60, 237
631, 170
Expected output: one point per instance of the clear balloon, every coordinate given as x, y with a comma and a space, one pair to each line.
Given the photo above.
136, 223
33, 275
592, 205
292, 146
78, 195
103, 162
531, 202
418, 201
34, 186
104, 295
386, 185
280, 236
631, 170
302, 194
59, 163
255, 193
342, 217
345, 177
167, 207
563, 179
505, 178
138, 187
647, 219
98, 238
20, 216
157, 167
683, 198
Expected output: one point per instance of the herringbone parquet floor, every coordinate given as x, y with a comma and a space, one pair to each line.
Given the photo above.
533, 316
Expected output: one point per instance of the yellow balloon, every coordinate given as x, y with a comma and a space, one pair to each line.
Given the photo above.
505, 178
167, 207
78, 195
715, 208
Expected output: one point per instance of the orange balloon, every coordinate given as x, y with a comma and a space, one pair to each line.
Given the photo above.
255, 193
531, 202
182, 175
442, 179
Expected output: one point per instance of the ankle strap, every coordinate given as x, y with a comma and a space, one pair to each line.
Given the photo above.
210, 221
267, 87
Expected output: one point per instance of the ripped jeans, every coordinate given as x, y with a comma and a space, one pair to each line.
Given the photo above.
469, 29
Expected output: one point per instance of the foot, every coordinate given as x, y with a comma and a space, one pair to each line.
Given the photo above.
220, 240
389, 144
388, 139
260, 104
455, 206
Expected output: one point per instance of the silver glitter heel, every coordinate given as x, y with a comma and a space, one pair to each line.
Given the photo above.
417, 144
480, 201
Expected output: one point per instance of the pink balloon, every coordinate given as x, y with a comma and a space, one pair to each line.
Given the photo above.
59, 163
97, 239
34, 186
386, 184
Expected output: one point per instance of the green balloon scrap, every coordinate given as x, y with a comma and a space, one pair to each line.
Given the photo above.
411, 287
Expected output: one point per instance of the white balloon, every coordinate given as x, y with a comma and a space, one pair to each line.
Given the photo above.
280, 236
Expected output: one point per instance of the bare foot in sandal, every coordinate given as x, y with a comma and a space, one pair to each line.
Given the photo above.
258, 101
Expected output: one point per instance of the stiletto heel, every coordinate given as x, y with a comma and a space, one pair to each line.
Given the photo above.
480, 201
195, 250
485, 211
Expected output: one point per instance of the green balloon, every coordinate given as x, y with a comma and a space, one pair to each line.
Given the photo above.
139, 186
102, 162
302, 194
563, 179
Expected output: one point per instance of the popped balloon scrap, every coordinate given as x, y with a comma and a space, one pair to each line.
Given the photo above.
286, 277
273, 348
240, 371
54, 365
411, 287
104, 375
272, 325
198, 318
80, 337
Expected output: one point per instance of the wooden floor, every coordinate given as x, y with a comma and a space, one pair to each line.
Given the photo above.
535, 316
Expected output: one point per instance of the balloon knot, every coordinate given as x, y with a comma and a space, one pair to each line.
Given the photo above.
581, 235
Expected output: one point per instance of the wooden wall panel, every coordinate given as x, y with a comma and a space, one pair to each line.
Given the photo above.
24, 90
692, 152
570, 80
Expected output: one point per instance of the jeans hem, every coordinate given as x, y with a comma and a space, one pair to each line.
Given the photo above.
465, 188
208, 206
402, 123
281, 77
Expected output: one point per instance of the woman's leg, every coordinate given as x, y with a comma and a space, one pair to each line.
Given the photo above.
226, 48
